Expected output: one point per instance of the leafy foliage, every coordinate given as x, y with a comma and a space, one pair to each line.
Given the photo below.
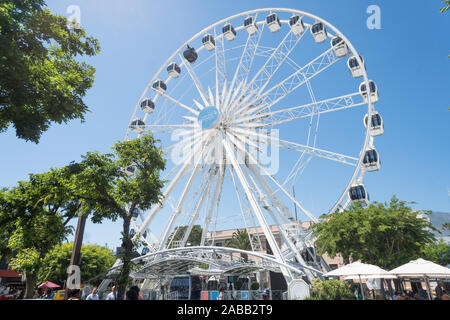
107, 193
386, 235
446, 6
331, 290
41, 80
240, 240
94, 261
34, 217
438, 252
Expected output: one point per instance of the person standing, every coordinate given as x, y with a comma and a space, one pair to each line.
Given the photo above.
133, 293
93, 295
113, 294
439, 290
221, 295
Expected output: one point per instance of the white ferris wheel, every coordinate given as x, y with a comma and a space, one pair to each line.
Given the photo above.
247, 109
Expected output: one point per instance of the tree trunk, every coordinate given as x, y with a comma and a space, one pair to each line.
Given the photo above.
30, 284
127, 244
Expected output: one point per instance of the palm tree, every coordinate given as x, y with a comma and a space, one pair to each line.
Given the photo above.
240, 240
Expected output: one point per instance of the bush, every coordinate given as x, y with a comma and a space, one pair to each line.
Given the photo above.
331, 290
255, 286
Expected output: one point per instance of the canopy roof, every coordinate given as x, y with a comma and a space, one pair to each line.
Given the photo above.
421, 268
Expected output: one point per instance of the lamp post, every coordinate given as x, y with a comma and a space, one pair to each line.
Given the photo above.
75, 260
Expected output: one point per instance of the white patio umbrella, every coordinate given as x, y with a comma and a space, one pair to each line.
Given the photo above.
374, 276
359, 270
421, 268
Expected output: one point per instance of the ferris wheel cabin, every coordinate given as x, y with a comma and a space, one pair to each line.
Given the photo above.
296, 24
339, 46
250, 25
372, 160
190, 54
373, 89
138, 126
136, 213
159, 86
208, 42
273, 22
376, 125
229, 32
145, 251
174, 70
358, 193
355, 68
147, 106
128, 171
319, 32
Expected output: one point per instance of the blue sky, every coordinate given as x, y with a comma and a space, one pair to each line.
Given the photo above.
407, 58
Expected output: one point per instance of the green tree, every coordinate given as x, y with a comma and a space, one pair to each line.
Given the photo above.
438, 252
446, 226
332, 290
194, 239
240, 240
108, 193
386, 235
446, 6
444, 9
35, 215
41, 81
95, 260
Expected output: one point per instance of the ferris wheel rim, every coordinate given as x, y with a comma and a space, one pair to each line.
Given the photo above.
359, 171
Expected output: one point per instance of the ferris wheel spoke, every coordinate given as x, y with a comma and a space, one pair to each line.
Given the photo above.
177, 210
281, 90
192, 138
246, 62
279, 55
195, 112
196, 80
246, 222
252, 162
208, 217
304, 111
192, 206
182, 198
279, 143
199, 205
221, 69
183, 152
281, 209
195, 152
165, 128
256, 208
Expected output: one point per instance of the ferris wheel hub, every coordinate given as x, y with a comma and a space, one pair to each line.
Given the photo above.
209, 118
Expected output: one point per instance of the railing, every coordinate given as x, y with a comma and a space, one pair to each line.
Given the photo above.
239, 295
235, 295
158, 295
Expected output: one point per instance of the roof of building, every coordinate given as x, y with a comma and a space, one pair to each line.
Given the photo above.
226, 234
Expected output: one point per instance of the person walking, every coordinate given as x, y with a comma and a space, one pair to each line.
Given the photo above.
93, 295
